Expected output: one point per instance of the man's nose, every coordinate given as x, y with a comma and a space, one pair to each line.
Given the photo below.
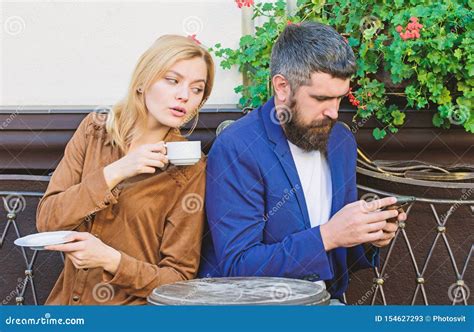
332, 109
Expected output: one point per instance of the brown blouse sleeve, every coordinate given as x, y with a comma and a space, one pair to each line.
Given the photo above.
180, 249
71, 196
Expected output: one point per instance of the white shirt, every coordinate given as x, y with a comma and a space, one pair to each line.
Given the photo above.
315, 177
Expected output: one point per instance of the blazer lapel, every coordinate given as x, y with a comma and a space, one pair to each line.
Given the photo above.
337, 171
282, 151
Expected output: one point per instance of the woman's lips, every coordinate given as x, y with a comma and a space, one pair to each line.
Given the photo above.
177, 112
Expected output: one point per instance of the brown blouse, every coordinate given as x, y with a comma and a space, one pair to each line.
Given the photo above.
154, 220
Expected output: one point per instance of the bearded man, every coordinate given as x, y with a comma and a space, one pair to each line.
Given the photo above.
281, 197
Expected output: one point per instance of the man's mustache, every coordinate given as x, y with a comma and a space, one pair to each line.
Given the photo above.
324, 123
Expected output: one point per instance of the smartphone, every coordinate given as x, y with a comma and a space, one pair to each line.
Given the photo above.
402, 201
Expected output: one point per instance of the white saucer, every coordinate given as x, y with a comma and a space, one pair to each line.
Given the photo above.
184, 162
39, 240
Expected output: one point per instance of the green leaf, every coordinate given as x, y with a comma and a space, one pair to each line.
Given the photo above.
437, 121
469, 124
268, 6
458, 54
398, 117
353, 42
379, 133
393, 130
445, 97
421, 102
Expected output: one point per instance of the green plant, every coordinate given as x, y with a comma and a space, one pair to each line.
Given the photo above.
420, 51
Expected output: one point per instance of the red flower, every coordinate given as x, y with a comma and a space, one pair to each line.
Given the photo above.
418, 26
292, 23
352, 98
412, 29
244, 3
193, 37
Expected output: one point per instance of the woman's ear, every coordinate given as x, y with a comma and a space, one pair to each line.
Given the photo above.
282, 88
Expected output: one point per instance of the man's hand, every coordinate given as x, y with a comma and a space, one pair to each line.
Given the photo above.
361, 222
389, 231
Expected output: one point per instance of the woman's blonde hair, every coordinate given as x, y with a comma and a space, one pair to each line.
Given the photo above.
130, 114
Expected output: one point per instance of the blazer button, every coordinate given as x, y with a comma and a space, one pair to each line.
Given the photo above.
75, 298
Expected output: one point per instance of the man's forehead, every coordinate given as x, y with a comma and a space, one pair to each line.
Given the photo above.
326, 85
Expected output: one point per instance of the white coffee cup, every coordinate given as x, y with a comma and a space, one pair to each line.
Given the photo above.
183, 153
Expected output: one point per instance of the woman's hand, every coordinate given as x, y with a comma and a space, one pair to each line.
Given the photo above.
89, 252
144, 159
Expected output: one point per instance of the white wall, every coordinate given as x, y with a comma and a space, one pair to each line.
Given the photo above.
83, 52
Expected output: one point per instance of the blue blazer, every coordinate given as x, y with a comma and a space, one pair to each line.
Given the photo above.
258, 223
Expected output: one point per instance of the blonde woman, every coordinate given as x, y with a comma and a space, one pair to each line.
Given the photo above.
139, 220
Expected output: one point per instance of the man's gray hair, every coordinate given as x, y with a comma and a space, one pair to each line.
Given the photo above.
309, 47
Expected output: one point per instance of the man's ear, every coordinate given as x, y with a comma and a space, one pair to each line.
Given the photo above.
282, 88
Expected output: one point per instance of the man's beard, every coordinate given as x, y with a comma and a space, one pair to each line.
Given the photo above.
311, 137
